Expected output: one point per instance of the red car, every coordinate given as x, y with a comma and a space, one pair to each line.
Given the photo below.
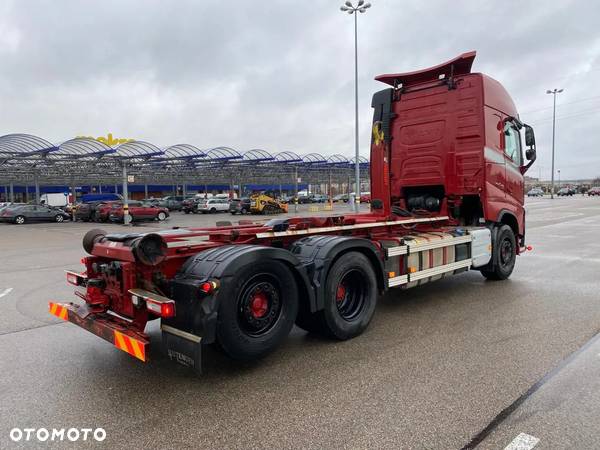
365, 198
103, 210
138, 211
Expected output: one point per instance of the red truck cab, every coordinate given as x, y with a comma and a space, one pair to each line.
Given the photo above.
448, 141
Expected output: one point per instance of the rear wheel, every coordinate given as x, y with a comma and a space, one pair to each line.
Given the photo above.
213, 210
20, 220
504, 255
257, 310
350, 299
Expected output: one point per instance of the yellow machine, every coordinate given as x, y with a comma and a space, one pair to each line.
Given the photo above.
263, 204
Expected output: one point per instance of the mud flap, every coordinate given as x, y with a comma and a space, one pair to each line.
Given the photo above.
183, 348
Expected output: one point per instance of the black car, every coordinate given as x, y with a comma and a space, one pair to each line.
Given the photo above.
86, 211
173, 202
190, 205
32, 213
239, 206
564, 192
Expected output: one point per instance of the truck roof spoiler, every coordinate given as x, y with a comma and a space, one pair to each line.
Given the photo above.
460, 65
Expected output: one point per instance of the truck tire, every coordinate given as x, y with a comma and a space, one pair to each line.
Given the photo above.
257, 310
504, 255
350, 299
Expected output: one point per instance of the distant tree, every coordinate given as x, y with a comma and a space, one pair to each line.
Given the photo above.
596, 181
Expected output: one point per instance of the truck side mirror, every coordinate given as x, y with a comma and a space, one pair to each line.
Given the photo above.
530, 153
529, 137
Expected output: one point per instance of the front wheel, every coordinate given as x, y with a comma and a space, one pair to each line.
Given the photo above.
504, 255
161, 216
257, 310
59, 218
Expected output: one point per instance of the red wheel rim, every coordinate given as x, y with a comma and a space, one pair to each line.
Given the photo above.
351, 294
259, 305
340, 293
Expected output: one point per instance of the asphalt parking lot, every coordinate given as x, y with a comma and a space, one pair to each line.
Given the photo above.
459, 362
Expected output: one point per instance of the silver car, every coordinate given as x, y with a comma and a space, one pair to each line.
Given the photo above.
213, 205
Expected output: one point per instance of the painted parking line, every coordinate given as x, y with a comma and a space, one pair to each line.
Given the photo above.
522, 442
5, 292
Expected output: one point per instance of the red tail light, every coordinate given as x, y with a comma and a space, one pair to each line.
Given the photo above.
160, 308
156, 304
208, 287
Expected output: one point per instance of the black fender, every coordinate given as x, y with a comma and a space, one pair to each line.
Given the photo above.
196, 312
503, 214
493, 227
318, 253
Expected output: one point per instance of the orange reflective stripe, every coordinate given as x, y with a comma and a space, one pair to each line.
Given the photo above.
130, 345
137, 348
119, 343
58, 310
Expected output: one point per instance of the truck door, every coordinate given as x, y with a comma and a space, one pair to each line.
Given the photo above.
495, 176
514, 159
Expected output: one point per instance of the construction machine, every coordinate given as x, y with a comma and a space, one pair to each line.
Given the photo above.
265, 204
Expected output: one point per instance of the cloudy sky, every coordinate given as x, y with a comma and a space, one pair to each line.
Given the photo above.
278, 74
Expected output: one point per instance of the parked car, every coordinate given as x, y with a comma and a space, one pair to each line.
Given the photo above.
239, 206
86, 211
189, 205
21, 214
302, 199
594, 191
340, 198
535, 192
152, 201
318, 198
172, 202
138, 211
365, 197
102, 211
212, 205
563, 192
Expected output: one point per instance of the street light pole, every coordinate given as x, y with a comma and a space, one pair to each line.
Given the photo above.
553, 92
349, 8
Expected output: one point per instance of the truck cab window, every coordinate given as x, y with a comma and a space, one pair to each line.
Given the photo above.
512, 143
